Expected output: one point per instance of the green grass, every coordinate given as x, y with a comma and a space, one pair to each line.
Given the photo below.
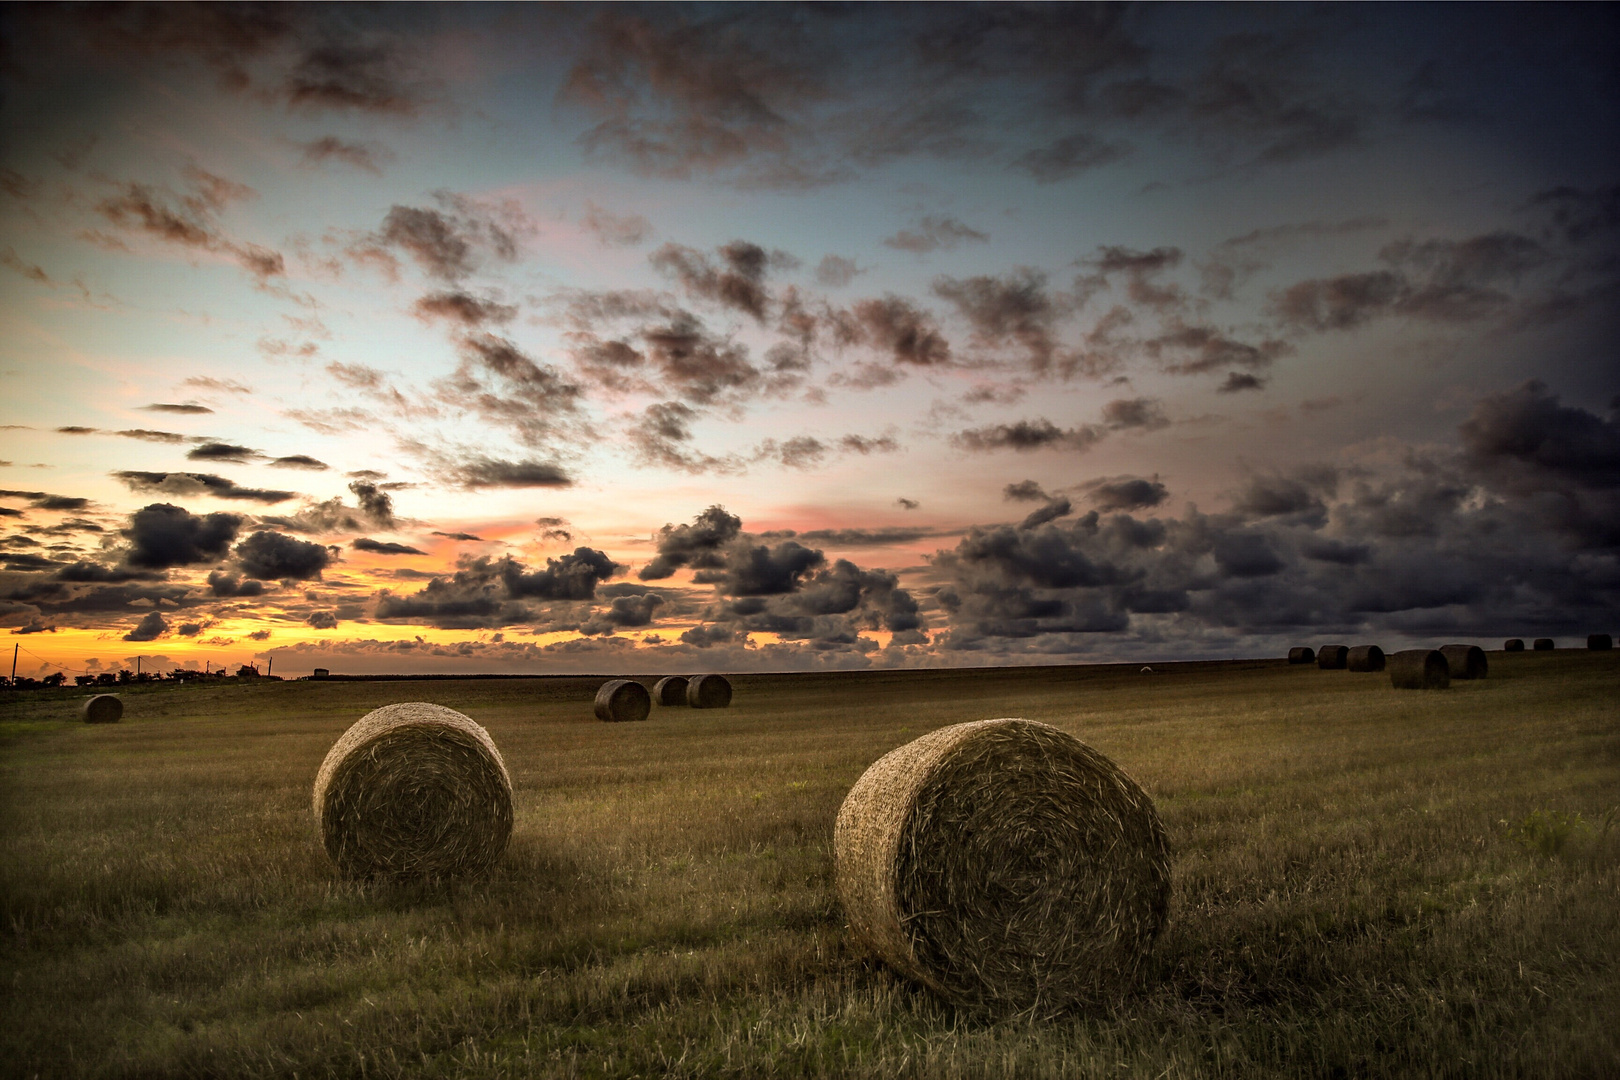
1368, 882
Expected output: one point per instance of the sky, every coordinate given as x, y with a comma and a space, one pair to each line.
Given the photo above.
725, 338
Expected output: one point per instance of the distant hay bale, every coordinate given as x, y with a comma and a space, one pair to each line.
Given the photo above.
1513, 644
1599, 641
102, 709
708, 692
622, 700
1147, 670
1419, 669
1465, 661
1332, 657
1004, 863
670, 690
1543, 644
414, 790
1302, 654
1365, 658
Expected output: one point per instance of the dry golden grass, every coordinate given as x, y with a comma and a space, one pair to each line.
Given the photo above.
1367, 882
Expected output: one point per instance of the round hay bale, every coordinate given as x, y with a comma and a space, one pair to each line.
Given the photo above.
1419, 669
1146, 670
1465, 661
1599, 641
708, 692
1332, 657
622, 700
1365, 658
1543, 644
102, 709
1513, 644
1003, 863
414, 790
1302, 654
670, 690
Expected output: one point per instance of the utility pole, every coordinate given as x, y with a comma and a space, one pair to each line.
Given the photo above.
137, 667
14, 649
270, 666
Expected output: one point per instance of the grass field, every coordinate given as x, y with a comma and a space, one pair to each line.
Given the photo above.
1368, 882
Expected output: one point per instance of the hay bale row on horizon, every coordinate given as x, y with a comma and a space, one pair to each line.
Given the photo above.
1004, 864
621, 699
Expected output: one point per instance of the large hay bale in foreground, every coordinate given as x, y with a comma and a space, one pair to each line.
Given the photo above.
708, 692
1004, 863
1302, 654
414, 790
1465, 661
1599, 641
1513, 644
670, 690
1419, 669
102, 709
1332, 657
622, 700
1365, 658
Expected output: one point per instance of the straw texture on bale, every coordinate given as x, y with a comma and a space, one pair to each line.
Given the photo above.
1302, 654
1599, 641
1465, 661
622, 700
414, 790
1543, 644
1004, 864
708, 692
670, 690
1513, 644
102, 709
1332, 657
1419, 669
1365, 658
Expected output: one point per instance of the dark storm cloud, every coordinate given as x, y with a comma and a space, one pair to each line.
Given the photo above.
616, 230
737, 282
299, 461
1011, 311
895, 326
485, 472
162, 535
370, 156
219, 451
151, 627
464, 309
322, 620
376, 504
697, 545
934, 233
273, 556
1025, 435
1024, 491
1056, 508
1109, 494
1069, 156
225, 584
44, 500
187, 408
181, 483
492, 592
1237, 381
625, 612
381, 547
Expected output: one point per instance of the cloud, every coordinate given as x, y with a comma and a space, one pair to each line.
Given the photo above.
151, 627
1237, 381
219, 451
1011, 311
697, 365
697, 545
1024, 491
450, 242
1144, 414
458, 536
190, 220
380, 547
1069, 156
162, 535
464, 309
907, 504
1109, 494
1025, 435
187, 408
369, 156
1193, 350
1056, 508
493, 592
225, 584
623, 613
933, 233
322, 620
1527, 437
738, 282
1580, 214
887, 536
835, 271
377, 505
368, 77
616, 230
273, 556
1140, 269
299, 461
181, 483
895, 326
486, 472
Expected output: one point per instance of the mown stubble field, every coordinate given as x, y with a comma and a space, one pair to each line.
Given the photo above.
1368, 882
